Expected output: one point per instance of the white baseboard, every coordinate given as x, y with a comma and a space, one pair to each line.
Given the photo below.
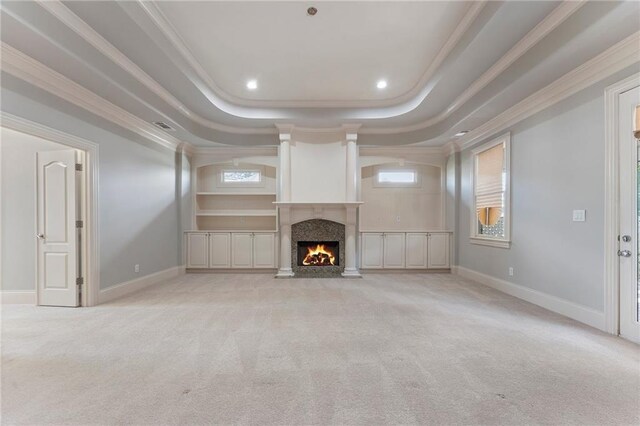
18, 297
122, 289
555, 304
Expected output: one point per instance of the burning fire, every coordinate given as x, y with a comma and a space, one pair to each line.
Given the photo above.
319, 256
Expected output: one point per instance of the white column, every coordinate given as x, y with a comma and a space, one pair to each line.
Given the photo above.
350, 270
285, 271
352, 159
285, 166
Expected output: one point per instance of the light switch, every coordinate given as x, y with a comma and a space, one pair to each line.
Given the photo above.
579, 215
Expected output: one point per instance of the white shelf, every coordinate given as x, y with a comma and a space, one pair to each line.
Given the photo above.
236, 193
234, 213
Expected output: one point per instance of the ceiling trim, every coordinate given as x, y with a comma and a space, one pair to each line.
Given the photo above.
37, 74
91, 36
544, 27
173, 36
615, 59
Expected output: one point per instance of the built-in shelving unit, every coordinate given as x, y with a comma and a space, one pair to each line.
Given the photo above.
221, 206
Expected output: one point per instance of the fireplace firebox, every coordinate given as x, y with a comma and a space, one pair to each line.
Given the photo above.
318, 253
317, 248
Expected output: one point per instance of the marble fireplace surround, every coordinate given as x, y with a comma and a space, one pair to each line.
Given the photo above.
317, 230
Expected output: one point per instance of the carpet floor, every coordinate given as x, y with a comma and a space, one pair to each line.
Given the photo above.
248, 349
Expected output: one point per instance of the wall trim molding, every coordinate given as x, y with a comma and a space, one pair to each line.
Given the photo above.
612, 60
39, 75
611, 202
120, 290
555, 304
18, 297
91, 176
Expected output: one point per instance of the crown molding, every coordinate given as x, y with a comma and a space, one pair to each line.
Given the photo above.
172, 35
544, 27
37, 74
550, 22
84, 30
616, 58
228, 151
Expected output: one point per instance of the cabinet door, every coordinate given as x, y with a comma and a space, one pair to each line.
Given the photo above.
264, 251
438, 250
241, 250
372, 251
219, 250
416, 250
394, 250
198, 250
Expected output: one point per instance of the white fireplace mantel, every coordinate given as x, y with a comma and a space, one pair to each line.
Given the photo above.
303, 154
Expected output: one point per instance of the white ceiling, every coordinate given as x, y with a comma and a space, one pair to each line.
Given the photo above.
337, 55
450, 66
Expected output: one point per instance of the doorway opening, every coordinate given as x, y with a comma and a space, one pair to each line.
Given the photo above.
50, 189
622, 214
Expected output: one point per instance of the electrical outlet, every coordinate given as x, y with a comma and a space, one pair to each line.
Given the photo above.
579, 215
510, 271
136, 268
397, 219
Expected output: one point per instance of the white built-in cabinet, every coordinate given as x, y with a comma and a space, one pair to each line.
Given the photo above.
400, 250
382, 250
221, 250
438, 251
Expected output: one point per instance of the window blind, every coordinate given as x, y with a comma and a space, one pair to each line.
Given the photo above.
489, 185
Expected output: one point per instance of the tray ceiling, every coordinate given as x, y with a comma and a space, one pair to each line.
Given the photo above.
449, 66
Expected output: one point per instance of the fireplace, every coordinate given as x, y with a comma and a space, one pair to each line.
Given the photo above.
318, 253
317, 248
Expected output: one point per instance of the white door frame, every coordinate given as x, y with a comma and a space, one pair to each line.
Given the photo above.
91, 260
611, 203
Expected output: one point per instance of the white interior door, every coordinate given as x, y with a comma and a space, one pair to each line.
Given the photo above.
628, 246
56, 228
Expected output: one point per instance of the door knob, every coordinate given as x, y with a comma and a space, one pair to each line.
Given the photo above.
40, 236
626, 238
624, 253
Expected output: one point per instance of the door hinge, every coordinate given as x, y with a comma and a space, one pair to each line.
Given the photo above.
78, 167
79, 224
79, 281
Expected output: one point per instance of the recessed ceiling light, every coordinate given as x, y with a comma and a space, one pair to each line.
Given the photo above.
462, 133
312, 11
381, 84
252, 84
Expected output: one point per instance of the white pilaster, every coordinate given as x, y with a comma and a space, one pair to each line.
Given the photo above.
285, 166
352, 159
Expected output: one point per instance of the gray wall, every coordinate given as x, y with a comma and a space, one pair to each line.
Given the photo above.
557, 165
139, 207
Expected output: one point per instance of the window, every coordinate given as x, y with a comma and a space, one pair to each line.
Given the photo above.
490, 221
241, 176
399, 177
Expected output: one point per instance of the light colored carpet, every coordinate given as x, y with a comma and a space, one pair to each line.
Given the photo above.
249, 349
